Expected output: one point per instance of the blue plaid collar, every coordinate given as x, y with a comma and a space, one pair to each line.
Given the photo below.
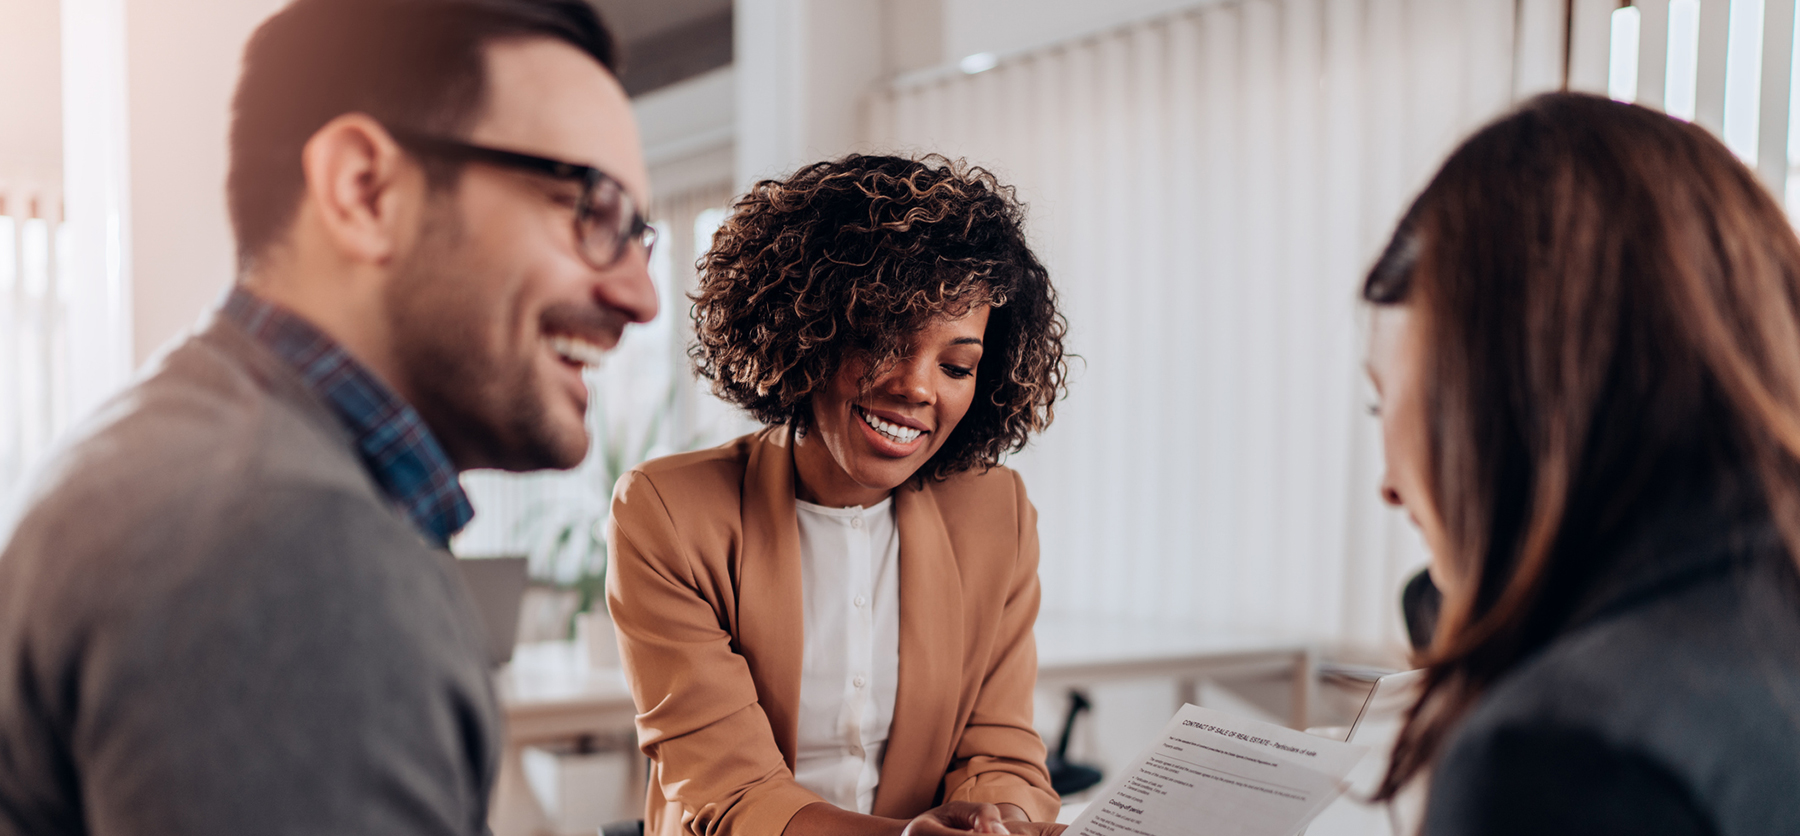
393, 441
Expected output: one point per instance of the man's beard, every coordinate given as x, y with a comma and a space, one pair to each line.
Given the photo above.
485, 404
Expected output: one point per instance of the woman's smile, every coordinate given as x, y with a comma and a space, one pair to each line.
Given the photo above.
890, 437
868, 437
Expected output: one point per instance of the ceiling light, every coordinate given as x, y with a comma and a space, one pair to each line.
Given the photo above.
980, 62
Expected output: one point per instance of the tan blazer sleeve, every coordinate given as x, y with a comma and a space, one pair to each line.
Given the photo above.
1000, 756
698, 714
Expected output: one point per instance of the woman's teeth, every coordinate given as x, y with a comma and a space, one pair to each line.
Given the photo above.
894, 432
578, 351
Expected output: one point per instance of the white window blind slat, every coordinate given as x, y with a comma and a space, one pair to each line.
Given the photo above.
1207, 189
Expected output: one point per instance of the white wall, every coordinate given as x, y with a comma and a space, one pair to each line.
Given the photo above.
183, 64
689, 130
1005, 26
804, 68
30, 96
33, 402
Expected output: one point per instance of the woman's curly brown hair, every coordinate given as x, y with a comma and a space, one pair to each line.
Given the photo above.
850, 257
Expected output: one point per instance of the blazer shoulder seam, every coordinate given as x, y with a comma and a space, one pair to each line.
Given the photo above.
668, 519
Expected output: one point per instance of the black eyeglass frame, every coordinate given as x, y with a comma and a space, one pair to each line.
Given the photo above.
591, 180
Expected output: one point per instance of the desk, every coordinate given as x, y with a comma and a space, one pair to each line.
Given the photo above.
1083, 651
549, 694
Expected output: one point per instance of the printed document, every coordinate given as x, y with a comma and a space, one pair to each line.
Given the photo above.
1215, 774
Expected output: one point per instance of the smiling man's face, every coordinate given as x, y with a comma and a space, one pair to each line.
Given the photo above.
495, 311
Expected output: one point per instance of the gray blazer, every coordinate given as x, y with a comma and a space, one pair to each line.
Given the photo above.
212, 622
1672, 706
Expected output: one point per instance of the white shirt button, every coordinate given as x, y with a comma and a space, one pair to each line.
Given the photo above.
856, 522
859, 681
861, 601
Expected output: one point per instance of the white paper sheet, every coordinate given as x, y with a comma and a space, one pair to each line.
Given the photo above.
1377, 728
1219, 774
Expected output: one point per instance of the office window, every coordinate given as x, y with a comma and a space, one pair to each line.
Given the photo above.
1727, 65
34, 351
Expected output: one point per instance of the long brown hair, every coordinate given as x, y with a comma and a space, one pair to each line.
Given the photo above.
1611, 314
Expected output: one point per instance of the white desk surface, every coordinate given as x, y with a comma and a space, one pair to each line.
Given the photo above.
551, 673
1108, 648
549, 691
550, 694
1087, 650
553, 677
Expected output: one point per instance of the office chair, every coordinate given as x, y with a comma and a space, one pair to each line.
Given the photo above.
1070, 778
624, 828
1419, 603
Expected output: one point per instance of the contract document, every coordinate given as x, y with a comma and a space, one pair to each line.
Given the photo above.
1215, 774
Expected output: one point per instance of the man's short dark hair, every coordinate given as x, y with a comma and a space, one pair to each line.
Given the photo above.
414, 64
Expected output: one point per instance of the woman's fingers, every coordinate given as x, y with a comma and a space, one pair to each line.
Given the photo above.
1036, 828
989, 820
956, 819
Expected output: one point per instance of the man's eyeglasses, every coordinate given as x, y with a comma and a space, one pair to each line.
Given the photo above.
606, 216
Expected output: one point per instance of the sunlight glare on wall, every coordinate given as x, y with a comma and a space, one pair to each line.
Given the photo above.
10, 459
1682, 76
65, 244
34, 251
1792, 198
705, 225
1743, 79
9, 256
1622, 69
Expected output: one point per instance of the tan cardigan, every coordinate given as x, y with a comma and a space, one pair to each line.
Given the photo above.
703, 584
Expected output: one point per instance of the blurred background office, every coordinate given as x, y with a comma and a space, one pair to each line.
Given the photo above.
1207, 180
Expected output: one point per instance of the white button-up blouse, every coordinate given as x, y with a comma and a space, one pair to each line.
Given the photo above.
850, 588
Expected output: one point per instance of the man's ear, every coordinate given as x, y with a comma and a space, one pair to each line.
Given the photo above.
366, 192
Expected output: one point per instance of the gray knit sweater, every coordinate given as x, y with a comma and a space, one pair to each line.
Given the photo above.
212, 622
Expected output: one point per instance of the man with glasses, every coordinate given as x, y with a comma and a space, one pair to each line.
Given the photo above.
229, 607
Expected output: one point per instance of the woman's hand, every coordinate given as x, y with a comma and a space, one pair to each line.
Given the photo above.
1017, 821
1036, 828
958, 817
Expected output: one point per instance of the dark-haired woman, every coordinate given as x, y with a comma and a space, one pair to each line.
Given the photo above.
828, 623
1587, 346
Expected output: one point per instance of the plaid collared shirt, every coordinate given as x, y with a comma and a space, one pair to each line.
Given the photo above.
393, 441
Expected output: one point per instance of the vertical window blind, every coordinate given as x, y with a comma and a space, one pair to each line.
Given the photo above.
1727, 65
34, 345
1208, 189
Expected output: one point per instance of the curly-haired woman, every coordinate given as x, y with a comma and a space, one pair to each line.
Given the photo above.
828, 623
